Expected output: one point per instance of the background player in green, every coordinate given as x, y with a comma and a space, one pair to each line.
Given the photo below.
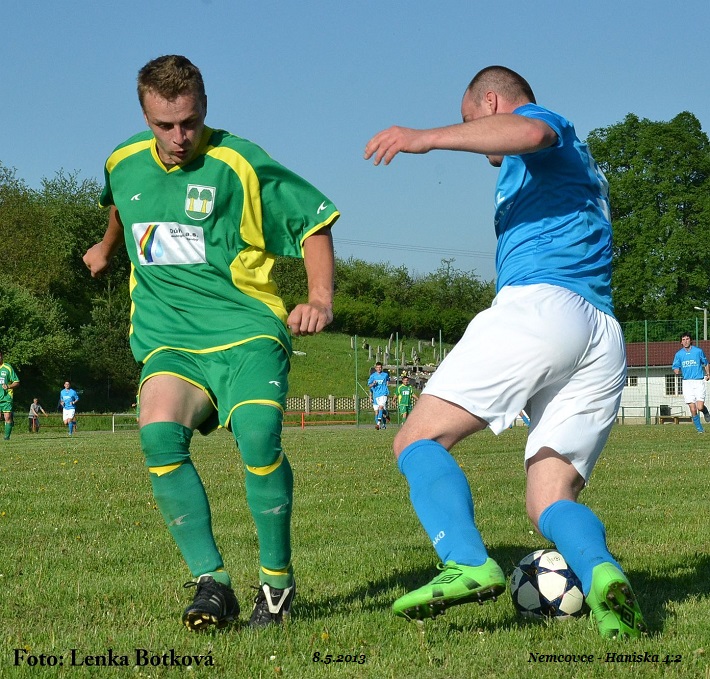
9, 381
204, 214
406, 398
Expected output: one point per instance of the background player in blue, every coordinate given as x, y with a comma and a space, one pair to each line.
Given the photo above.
565, 354
690, 361
378, 383
68, 398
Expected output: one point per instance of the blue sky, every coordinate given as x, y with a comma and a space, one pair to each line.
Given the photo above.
312, 81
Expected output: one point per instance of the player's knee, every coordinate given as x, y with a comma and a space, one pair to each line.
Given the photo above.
259, 450
165, 444
533, 510
401, 440
257, 431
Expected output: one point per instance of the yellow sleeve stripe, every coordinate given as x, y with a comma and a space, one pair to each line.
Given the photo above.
251, 228
265, 471
121, 154
318, 227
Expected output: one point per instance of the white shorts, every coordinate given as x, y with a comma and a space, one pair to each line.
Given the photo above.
68, 413
548, 351
694, 390
379, 402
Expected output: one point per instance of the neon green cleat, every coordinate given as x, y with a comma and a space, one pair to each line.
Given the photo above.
613, 604
456, 584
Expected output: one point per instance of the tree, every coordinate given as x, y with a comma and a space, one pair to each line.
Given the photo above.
34, 337
378, 299
105, 350
659, 182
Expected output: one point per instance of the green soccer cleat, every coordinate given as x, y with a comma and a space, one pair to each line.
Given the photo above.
613, 604
456, 584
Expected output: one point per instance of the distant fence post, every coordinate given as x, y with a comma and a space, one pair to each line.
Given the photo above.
645, 341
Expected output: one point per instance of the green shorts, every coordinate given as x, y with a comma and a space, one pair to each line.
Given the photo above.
6, 403
253, 372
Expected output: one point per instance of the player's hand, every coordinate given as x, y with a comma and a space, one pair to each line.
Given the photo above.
308, 319
387, 144
96, 259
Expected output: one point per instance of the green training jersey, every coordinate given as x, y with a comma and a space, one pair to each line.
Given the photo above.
404, 394
7, 376
203, 237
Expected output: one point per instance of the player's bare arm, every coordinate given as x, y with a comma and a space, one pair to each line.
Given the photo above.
319, 259
98, 257
500, 134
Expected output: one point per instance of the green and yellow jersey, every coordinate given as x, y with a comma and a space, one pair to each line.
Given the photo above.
404, 395
7, 376
203, 237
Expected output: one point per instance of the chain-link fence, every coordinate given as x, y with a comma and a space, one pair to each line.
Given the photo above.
653, 392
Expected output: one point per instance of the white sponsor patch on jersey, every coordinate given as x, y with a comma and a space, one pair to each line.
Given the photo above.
164, 243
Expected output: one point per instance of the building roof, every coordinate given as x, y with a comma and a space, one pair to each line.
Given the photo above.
660, 354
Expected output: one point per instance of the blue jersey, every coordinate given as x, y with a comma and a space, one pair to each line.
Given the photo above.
690, 363
552, 216
68, 397
378, 384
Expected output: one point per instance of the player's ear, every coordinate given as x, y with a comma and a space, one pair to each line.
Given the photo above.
491, 102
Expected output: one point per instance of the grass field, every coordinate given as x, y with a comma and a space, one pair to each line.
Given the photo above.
88, 565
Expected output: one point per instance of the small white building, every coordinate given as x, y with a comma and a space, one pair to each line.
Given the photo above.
652, 388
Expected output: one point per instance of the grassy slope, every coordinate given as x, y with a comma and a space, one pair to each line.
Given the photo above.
329, 364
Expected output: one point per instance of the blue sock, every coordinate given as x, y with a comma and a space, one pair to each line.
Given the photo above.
441, 497
696, 422
579, 536
71, 428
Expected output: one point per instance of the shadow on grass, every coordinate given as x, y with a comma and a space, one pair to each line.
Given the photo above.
683, 580
655, 592
378, 594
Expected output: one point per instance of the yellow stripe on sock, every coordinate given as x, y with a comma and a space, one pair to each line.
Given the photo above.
263, 471
286, 571
164, 470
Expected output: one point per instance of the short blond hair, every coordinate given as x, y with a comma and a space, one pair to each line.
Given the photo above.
170, 76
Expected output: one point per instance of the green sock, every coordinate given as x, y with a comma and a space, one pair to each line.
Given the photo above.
270, 500
8, 429
182, 501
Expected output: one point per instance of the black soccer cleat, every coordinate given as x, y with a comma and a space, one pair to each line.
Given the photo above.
214, 604
272, 605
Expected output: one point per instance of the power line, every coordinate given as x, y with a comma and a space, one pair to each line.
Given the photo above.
416, 248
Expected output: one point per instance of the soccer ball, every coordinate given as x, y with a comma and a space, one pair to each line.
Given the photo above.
544, 586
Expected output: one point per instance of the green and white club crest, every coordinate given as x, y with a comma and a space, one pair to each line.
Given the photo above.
199, 201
